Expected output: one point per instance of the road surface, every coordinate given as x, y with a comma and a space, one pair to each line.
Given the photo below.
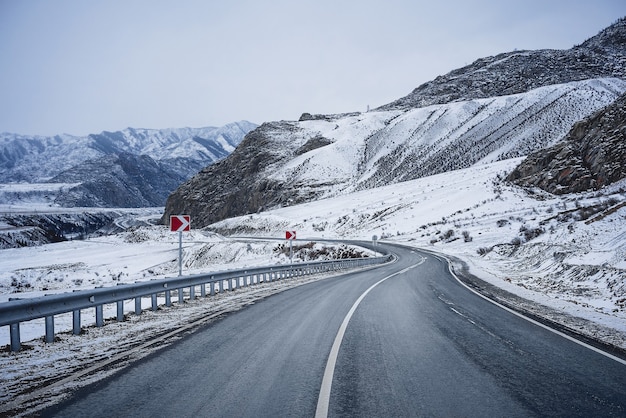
405, 339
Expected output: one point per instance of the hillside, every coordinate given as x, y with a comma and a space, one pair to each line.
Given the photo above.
497, 108
118, 180
592, 155
290, 162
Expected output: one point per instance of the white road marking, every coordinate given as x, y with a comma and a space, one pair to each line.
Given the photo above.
557, 332
324, 398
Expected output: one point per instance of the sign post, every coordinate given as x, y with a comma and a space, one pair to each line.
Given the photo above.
180, 223
290, 236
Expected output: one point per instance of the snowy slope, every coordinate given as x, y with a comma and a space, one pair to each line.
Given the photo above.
379, 148
290, 162
558, 251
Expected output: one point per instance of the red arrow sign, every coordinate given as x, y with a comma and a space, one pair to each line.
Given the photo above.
290, 235
180, 223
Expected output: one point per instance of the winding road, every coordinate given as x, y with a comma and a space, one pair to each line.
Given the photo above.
401, 340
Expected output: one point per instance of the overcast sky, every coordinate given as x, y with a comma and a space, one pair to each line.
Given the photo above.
79, 67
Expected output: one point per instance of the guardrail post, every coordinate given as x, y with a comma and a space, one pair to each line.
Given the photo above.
49, 329
192, 292
212, 288
120, 311
138, 305
155, 304
203, 290
181, 296
99, 316
76, 322
168, 298
14, 330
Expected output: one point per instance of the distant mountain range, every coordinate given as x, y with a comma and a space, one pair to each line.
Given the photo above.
129, 168
500, 107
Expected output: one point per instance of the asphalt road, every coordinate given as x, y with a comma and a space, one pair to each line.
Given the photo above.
405, 339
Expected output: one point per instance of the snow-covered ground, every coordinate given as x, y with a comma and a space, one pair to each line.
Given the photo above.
567, 253
138, 254
29, 378
558, 251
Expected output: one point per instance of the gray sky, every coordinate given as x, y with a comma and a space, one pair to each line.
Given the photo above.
79, 67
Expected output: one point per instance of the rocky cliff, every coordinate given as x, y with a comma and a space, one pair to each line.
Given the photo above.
590, 157
232, 186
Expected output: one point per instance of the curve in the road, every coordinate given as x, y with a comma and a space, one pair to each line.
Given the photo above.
408, 341
324, 396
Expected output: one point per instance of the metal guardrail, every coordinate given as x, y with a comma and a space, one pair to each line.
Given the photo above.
15, 311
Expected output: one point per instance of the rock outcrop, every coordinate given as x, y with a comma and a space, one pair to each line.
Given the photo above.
592, 155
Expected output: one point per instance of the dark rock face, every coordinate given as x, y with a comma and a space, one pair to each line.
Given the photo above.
592, 155
604, 55
313, 143
236, 185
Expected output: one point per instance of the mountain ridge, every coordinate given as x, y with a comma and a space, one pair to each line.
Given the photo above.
519, 71
37, 158
129, 168
287, 162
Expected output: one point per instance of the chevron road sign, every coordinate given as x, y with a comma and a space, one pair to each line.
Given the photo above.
180, 223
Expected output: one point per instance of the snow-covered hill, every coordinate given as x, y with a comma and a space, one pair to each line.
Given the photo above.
289, 162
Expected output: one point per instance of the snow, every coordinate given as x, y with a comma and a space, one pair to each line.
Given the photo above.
382, 147
571, 266
145, 253
575, 268
546, 249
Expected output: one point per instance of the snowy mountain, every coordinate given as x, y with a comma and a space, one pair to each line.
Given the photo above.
121, 180
35, 159
129, 168
290, 162
497, 108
